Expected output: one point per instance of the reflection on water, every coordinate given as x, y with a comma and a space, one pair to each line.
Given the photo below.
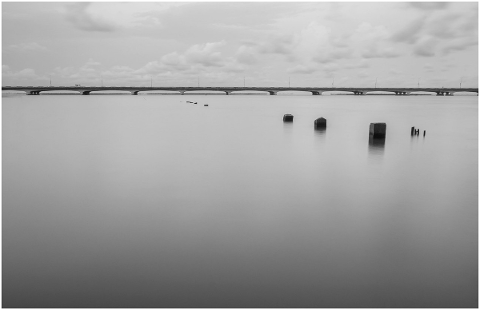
320, 131
376, 146
139, 201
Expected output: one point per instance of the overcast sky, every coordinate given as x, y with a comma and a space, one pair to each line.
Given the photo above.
220, 43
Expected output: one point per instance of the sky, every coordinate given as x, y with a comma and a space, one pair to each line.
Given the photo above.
322, 44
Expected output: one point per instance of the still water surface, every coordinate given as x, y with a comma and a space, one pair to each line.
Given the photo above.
149, 201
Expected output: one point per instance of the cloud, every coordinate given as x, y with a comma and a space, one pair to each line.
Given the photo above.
24, 74
368, 32
277, 44
410, 33
440, 31
428, 67
246, 55
332, 54
429, 6
459, 45
27, 47
197, 58
234, 67
425, 46
80, 17
207, 54
92, 63
445, 26
357, 65
303, 69
375, 52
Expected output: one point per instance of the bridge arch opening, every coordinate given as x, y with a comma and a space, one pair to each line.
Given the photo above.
205, 92
159, 92
249, 92
294, 93
465, 93
59, 92
107, 92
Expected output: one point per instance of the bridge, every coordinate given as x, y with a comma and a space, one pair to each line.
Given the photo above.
86, 90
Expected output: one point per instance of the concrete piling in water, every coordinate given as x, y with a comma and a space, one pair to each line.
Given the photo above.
288, 118
205, 105
320, 123
378, 130
424, 132
412, 132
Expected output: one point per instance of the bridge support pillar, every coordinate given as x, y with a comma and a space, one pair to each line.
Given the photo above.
86, 92
440, 93
272, 92
316, 93
449, 94
356, 92
135, 92
182, 92
227, 92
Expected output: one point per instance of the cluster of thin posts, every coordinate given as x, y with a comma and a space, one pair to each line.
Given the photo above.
416, 132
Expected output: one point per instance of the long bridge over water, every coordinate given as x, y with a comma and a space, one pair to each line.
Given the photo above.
86, 90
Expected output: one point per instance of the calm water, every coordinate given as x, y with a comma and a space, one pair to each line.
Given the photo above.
149, 201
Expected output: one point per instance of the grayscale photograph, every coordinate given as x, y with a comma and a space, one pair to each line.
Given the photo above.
239, 154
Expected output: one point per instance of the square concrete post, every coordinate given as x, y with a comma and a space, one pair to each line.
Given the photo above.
378, 130
320, 123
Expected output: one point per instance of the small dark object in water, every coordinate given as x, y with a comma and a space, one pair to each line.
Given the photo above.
194, 103
378, 130
205, 105
320, 123
288, 118
412, 131
424, 132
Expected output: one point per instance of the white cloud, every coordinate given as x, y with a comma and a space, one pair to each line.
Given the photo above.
27, 47
207, 54
24, 74
277, 44
82, 18
246, 55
